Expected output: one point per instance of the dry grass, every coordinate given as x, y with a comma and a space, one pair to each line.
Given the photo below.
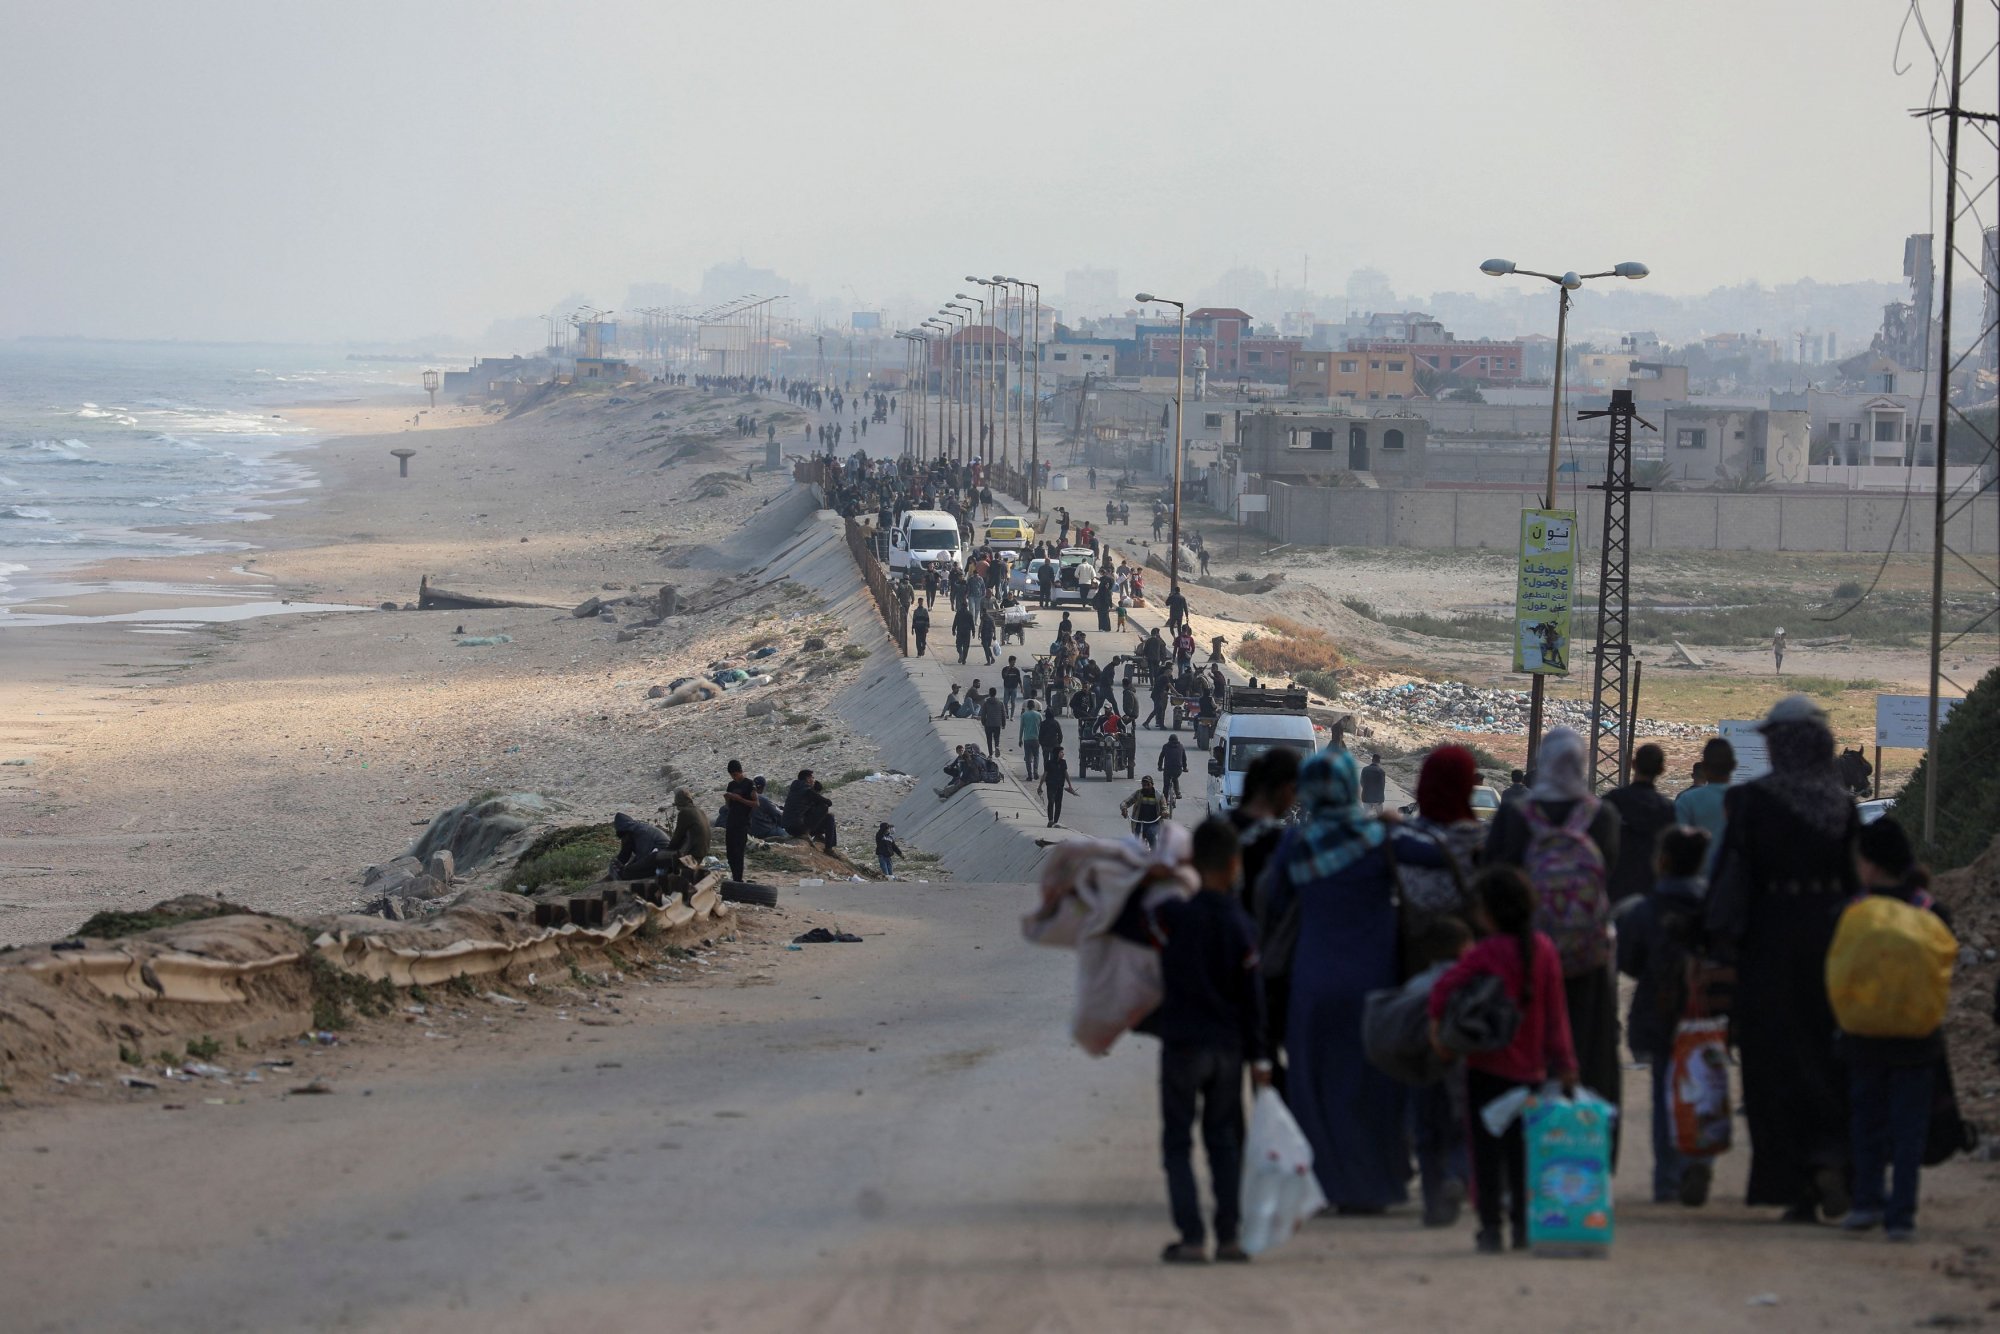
1292, 648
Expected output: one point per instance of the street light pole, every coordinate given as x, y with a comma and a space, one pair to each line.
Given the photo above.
1565, 284
981, 425
1180, 379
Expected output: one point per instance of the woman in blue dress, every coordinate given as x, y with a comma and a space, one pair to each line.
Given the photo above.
1334, 872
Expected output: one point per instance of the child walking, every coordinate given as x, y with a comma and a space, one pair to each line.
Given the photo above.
1656, 940
1530, 973
1890, 1079
1209, 1025
886, 850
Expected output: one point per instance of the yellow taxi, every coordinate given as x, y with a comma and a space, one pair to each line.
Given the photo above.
1009, 532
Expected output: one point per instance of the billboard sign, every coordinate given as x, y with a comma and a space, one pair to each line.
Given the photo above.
1544, 591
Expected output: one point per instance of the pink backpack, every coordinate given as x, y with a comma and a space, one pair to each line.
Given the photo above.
1569, 876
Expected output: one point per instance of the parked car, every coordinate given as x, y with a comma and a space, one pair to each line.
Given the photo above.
1874, 809
1485, 802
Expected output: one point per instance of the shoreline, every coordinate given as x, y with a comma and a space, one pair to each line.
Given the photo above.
271, 759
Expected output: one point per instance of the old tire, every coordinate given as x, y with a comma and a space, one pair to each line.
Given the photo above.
744, 891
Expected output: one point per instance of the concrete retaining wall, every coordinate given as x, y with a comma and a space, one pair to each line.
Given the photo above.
987, 832
1661, 521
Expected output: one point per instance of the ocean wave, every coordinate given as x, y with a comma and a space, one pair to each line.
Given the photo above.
91, 412
31, 512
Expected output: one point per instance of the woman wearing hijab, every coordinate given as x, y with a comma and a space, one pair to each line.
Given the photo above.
1785, 871
1561, 791
1330, 891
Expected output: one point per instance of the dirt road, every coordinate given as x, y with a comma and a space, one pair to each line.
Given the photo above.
892, 1135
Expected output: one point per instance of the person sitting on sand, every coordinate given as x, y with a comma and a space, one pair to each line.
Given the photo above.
642, 849
692, 832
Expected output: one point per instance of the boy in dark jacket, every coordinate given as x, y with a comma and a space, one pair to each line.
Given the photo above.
886, 850
1210, 1023
1655, 942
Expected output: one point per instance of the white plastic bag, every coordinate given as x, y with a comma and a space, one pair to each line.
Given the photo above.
1279, 1189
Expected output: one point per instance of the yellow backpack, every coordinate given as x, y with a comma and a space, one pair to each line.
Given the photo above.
1888, 973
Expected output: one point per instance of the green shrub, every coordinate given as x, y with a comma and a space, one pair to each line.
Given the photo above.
1968, 802
567, 858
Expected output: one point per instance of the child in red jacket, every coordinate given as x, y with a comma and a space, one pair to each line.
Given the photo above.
1525, 962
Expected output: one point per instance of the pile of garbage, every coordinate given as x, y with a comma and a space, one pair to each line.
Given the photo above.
1458, 707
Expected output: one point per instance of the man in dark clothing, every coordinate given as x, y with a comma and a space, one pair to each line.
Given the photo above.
1374, 783
1209, 1024
1055, 776
1010, 681
961, 631
741, 803
920, 626
992, 717
1645, 812
1158, 717
1156, 652
814, 811
1516, 789
1176, 608
1045, 579
642, 849
1173, 763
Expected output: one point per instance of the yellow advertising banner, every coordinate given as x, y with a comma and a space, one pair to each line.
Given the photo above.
1545, 591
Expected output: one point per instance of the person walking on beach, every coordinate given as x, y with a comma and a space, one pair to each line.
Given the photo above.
741, 796
1778, 649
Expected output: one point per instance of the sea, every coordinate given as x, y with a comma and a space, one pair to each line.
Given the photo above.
105, 444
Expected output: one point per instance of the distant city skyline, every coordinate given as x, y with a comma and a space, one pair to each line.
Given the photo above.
236, 170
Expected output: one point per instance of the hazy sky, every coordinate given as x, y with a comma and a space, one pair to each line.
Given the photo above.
352, 169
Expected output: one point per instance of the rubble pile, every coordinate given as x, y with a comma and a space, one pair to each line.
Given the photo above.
1457, 707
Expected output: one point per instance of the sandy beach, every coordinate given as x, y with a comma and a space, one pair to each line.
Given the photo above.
271, 759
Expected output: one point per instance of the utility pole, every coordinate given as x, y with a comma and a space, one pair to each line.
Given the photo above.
1610, 699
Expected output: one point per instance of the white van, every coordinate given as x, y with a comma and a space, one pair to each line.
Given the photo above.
922, 537
1256, 720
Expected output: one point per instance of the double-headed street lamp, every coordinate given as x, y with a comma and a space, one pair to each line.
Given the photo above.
962, 377
981, 425
1565, 284
1035, 409
912, 424
1000, 301
1180, 377
941, 332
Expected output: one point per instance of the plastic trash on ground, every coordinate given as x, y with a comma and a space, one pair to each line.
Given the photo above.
1280, 1191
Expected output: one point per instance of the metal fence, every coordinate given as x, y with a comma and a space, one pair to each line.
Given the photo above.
861, 543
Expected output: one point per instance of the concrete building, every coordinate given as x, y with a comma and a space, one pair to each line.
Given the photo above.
1889, 420
1075, 358
496, 377
1481, 361
1324, 375
1311, 447
1702, 444
1657, 384
1591, 369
